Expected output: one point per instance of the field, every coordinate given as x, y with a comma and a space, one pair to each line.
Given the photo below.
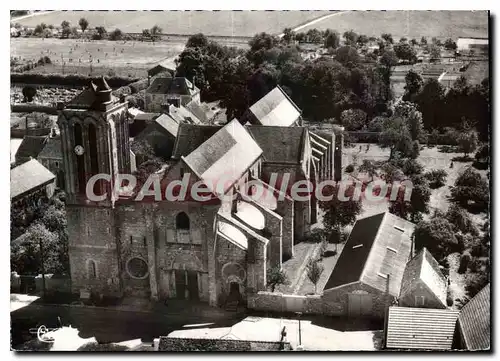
214, 23
411, 24
121, 57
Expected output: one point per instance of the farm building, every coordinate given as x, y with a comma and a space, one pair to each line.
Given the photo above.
30, 181
477, 45
368, 274
30, 148
420, 328
423, 284
51, 158
161, 69
176, 91
160, 135
475, 322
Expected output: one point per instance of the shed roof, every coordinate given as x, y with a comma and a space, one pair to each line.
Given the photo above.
224, 157
474, 320
420, 328
424, 268
275, 108
168, 85
378, 246
31, 146
190, 137
28, 176
52, 149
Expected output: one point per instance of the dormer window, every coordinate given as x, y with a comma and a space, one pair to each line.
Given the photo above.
357, 246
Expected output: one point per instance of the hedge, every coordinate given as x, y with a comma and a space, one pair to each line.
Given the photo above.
139, 85
69, 79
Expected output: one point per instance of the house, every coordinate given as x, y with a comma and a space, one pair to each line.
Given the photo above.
275, 108
51, 158
30, 148
420, 328
30, 181
176, 91
423, 284
162, 68
474, 322
476, 45
368, 274
160, 135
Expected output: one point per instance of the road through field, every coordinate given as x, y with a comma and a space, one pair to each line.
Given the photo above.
312, 22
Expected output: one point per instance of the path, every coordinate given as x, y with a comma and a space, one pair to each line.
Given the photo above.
31, 15
312, 22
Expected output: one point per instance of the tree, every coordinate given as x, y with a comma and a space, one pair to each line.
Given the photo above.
414, 83
423, 40
353, 119
387, 38
288, 35
468, 142
437, 235
314, 271
449, 44
339, 213
116, 34
483, 154
435, 51
314, 36
276, 276
156, 32
414, 42
29, 93
146, 34
405, 51
430, 101
362, 40
396, 136
389, 58
66, 32
460, 218
74, 31
403, 40
436, 178
300, 37
377, 124
83, 24
100, 31
347, 56
65, 24
470, 187
197, 41
418, 203
368, 167
332, 40
350, 37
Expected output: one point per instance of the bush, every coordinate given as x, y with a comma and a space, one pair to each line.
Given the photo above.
436, 177
116, 34
124, 90
349, 168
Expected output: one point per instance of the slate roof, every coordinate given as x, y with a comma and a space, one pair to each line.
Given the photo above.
424, 268
168, 123
190, 137
183, 115
474, 321
226, 156
31, 146
420, 328
88, 98
275, 108
161, 69
52, 149
148, 117
168, 85
280, 144
378, 246
28, 176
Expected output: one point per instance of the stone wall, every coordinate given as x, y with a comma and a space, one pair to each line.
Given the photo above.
53, 284
203, 344
331, 303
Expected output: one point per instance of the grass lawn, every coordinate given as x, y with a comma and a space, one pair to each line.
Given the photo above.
123, 58
215, 23
411, 24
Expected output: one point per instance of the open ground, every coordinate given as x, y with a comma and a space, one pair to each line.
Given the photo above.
410, 24
212, 23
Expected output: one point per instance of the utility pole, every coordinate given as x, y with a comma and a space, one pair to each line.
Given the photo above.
300, 332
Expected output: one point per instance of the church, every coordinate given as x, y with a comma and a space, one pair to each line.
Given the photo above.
215, 252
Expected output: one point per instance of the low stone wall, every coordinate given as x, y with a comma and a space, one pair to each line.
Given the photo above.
278, 302
203, 344
53, 284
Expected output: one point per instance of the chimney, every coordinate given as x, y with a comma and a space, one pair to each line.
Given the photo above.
165, 108
387, 283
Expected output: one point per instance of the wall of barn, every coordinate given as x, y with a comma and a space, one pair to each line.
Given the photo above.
420, 289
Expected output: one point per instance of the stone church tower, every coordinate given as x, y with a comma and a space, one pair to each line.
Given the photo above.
95, 140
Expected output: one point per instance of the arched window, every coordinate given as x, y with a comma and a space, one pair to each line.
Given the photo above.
91, 270
182, 221
93, 149
80, 163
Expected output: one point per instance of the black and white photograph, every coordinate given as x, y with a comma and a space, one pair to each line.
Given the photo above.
250, 180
